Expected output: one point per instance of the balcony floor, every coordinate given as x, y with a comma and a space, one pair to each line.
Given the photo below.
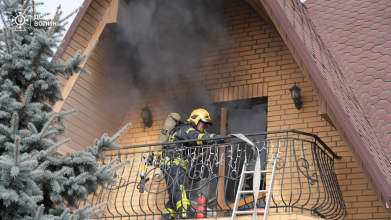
282, 216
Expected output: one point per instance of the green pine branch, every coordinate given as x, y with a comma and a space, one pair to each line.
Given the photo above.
35, 182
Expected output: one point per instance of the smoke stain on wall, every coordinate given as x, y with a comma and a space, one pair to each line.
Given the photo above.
158, 43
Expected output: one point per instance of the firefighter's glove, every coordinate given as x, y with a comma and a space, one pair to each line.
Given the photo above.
149, 160
218, 141
154, 157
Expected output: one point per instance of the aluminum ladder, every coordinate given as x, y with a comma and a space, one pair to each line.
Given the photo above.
256, 183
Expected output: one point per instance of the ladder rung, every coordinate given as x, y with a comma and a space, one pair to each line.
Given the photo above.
262, 171
266, 171
248, 172
249, 212
251, 191
256, 175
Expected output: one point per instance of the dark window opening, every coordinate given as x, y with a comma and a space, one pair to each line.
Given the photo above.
245, 119
245, 116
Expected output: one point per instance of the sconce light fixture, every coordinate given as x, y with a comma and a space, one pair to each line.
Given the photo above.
147, 116
295, 93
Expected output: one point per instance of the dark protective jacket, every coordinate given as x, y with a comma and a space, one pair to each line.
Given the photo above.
179, 201
186, 132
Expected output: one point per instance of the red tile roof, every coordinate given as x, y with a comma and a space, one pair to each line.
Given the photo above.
358, 35
295, 24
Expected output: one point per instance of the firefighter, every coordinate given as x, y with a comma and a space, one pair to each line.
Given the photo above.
176, 167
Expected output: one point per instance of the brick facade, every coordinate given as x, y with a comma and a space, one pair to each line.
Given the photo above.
251, 60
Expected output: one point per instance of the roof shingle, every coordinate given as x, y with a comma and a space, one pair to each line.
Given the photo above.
358, 34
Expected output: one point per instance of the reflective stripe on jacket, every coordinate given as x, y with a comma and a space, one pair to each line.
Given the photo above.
176, 161
187, 132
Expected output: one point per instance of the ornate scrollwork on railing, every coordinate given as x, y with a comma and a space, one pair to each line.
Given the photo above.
280, 163
305, 174
304, 163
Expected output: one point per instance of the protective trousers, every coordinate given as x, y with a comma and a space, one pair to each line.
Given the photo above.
178, 197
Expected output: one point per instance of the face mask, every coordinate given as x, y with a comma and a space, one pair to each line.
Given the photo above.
201, 127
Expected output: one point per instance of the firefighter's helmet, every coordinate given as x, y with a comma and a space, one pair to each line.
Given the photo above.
199, 114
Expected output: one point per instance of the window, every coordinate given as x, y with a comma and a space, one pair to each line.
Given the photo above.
240, 116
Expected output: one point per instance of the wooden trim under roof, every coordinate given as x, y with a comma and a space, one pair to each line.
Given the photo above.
85, 29
110, 16
324, 110
72, 30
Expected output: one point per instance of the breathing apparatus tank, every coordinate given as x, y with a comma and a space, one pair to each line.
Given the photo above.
169, 125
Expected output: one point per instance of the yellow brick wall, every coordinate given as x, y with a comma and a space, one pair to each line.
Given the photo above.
251, 60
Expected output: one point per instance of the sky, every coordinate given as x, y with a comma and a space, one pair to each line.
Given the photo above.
67, 7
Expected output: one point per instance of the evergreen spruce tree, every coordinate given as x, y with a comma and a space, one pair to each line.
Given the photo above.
35, 182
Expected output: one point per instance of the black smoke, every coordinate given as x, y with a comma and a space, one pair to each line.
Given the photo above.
158, 42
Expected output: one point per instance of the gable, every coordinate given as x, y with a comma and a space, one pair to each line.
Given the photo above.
320, 70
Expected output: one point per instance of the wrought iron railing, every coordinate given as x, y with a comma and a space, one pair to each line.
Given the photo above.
305, 179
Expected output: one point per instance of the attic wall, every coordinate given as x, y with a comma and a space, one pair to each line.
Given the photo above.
100, 107
250, 61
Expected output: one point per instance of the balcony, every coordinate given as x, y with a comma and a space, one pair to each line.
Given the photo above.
305, 180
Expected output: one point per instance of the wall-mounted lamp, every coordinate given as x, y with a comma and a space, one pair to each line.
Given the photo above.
147, 116
295, 93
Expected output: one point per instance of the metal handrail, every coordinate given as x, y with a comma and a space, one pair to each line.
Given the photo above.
306, 176
247, 135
